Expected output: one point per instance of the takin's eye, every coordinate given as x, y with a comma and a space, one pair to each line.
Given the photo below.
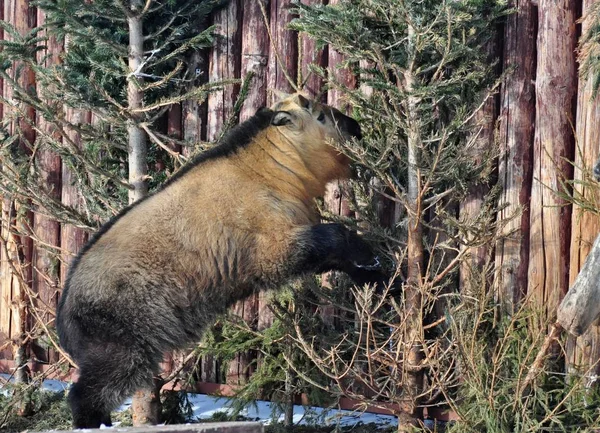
321, 117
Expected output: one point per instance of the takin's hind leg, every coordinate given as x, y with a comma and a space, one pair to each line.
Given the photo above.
108, 375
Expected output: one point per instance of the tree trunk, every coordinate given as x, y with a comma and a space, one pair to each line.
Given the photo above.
584, 351
146, 402
553, 148
516, 129
411, 413
5, 291
138, 149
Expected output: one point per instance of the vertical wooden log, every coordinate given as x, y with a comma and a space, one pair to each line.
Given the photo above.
584, 351
312, 85
553, 148
283, 50
309, 54
334, 197
5, 291
516, 128
20, 219
336, 194
255, 56
72, 239
472, 268
224, 62
46, 278
6, 284
281, 75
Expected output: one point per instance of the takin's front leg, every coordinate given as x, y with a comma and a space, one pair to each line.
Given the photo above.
329, 247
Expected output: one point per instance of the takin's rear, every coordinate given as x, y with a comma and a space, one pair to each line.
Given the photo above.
237, 219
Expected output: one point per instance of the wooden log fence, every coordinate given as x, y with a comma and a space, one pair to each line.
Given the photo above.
541, 112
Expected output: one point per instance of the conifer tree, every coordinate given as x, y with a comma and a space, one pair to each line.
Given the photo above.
428, 72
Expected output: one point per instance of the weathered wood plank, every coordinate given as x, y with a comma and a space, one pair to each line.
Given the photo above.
515, 138
46, 278
311, 83
72, 239
336, 195
283, 51
483, 136
550, 216
255, 58
16, 230
224, 63
585, 351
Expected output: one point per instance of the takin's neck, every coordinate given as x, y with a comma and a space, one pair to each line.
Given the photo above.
275, 162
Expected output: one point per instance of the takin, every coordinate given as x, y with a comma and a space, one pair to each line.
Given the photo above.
237, 219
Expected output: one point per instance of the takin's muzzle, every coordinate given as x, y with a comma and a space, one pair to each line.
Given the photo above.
346, 124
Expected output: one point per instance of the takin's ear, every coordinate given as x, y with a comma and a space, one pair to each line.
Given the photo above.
281, 118
302, 101
278, 95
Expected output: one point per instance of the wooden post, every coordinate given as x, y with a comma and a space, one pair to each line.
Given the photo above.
5, 291
72, 239
515, 138
255, 58
336, 199
484, 122
553, 148
224, 63
46, 275
17, 271
311, 83
281, 69
585, 351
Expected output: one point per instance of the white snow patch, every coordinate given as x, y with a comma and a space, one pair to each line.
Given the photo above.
206, 406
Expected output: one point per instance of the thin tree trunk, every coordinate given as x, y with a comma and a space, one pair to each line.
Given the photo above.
553, 148
146, 402
5, 291
516, 128
412, 371
138, 149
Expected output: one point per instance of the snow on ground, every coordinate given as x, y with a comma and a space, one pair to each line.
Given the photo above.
205, 406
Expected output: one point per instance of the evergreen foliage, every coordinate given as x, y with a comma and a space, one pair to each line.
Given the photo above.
425, 70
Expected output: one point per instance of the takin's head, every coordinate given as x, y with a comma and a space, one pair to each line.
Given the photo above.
313, 128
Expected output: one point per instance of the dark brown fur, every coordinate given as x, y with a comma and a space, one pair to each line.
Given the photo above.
237, 219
